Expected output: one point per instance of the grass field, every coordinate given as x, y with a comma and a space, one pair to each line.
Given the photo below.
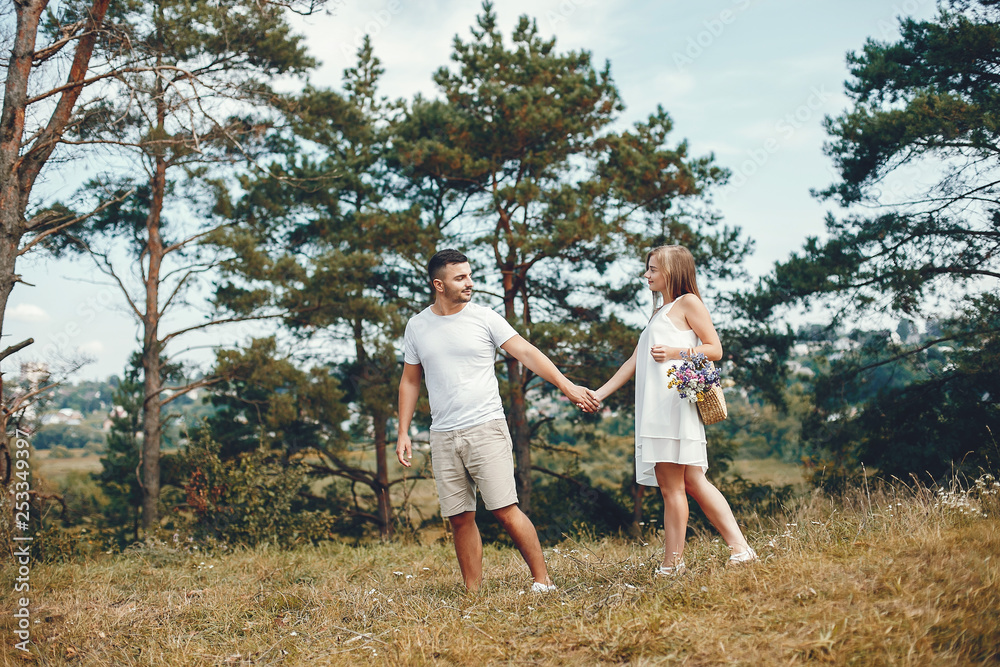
769, 471
54, 469
904, 576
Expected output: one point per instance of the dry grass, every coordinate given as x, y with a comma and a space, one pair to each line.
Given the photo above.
893, 578
55, 469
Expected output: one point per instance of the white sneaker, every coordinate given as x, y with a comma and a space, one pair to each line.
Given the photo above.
748, 556
539, 587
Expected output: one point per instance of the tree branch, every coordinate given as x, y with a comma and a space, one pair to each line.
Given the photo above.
911, 352
181, 391
228, 320
46, 142
108, 270
22, 400
59, 228
69, 32
13, 349
601, 492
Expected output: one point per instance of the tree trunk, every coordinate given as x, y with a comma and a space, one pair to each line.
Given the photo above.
152, 385
520, 433
12, 200
382, 479
18, 172
8, 254
517, 409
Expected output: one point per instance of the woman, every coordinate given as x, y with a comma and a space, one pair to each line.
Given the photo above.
670, 449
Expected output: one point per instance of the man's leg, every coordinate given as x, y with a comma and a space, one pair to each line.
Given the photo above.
457, 494
522, 531
468, 548
490, 463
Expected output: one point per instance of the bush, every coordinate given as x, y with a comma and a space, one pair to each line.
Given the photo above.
250, 500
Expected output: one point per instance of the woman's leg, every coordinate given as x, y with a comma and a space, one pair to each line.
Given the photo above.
670, 477
715, 507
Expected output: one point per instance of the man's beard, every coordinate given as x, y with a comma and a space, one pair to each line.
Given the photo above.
458, 296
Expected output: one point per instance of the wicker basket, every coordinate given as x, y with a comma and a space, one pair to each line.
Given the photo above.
712, 406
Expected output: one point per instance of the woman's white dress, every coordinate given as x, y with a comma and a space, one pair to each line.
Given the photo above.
667, 428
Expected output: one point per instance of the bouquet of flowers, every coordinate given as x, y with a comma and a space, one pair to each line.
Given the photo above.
698, 381
694, 377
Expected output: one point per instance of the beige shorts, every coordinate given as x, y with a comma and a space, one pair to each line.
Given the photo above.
466, 458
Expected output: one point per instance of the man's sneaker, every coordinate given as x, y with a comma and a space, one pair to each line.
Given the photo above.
539, 587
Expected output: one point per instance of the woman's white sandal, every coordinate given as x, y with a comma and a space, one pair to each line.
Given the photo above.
674, 571
541, 587
748, 556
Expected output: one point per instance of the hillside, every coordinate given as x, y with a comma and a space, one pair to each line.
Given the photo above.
907, 575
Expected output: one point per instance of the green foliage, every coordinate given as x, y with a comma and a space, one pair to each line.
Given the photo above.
571, 505
119, 466
70, 436
750, 499
919, 145
256, 498
267, 402
756, 428
192, 88
87, 396
327, 242
924, 408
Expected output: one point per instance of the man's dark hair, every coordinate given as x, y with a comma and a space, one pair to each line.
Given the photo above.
443, 258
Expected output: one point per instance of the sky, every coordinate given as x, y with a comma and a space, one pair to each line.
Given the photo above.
749, 81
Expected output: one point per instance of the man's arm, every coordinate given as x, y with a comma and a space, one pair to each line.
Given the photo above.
540, 365
409, 392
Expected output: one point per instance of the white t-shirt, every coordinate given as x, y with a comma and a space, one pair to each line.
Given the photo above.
457, 353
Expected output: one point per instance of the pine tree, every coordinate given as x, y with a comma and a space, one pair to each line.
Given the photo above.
518, 165
193, 109
28, 140
918, 164
326, 241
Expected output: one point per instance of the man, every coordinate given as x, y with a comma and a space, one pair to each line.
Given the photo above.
454, 343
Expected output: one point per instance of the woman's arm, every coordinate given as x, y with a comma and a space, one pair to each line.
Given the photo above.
697, 318
620, 377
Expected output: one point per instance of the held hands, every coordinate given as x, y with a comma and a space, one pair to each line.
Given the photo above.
589, 408
404, 448
583, 398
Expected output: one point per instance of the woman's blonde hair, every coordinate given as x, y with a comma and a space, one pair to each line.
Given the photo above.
678, 263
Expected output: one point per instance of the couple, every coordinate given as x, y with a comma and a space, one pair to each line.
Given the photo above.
453, 344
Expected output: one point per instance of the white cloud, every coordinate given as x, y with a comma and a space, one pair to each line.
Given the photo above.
92, 348
28, 312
